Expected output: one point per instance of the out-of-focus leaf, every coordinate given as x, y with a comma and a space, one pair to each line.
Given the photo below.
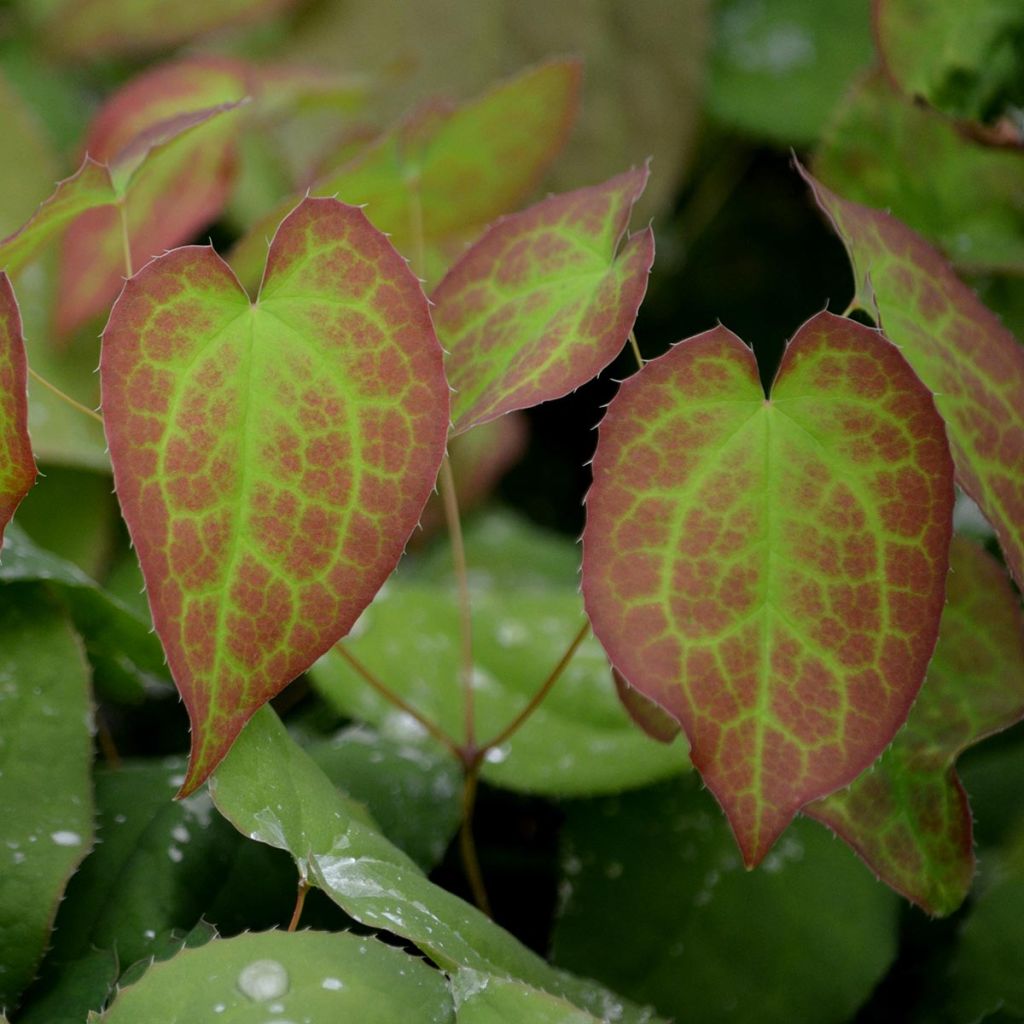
959, 349
543, 301
17, 465
908, 815
771, 571
272, 791
805, 937
83, 985
963, 58
30, 167
579, 741
644, 68
651, 717
92, 29
971, 201
486, 999
985, 974
444, 172
45, 789
306, 975
778, 68
412, 791
290, 447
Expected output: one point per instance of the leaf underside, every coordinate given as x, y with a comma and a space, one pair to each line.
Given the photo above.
271, 458
771, 572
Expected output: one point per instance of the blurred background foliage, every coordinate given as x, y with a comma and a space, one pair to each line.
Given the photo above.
912, 105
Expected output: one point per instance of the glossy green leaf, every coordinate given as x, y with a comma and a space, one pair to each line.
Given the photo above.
444, 172
970, 203
17, 465
272, 791
963, 58
83, 985
543, 301
486, 999
958, 348
128, 662
579, 741
45, 705
26, 178
772, 571
654, 899
908, 816
985, 974
271, 458
252, 979
89, 29
778, 69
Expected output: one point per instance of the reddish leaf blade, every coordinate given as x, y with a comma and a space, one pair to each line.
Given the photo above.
544, 301
908, 816
271, 459
961, 351
17, 466
772, 572
445, 172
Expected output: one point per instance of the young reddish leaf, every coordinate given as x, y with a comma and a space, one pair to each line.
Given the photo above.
649, 716
908, 816
961, 351
101, 28
467, 165
771, 572
17, 466
544, 301
271, 458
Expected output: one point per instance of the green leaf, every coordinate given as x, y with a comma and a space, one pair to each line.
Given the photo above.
486, 999
47, 800
772, 571
656, 902
272, 791
778, 69
288, 448
963, 58
985, 971
444, 172
91, 29
958, 348
17, 466
412, 791
305, 975
969, 204
543, 301
908, 815
578, 741
83, 985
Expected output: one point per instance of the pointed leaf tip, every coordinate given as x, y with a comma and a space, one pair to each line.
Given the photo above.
271, 458
772, 571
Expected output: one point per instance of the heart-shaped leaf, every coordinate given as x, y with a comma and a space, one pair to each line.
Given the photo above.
772, 571
271, 458
908, 816
544, 301
17, 466
964, 355
444, 172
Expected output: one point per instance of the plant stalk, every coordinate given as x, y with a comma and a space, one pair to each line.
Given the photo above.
467, 844
64, 396
300, 902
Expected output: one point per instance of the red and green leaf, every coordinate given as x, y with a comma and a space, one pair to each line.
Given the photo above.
544, 301
959, 349
908, 816
271, 458
17, 466
771, 571
445, 172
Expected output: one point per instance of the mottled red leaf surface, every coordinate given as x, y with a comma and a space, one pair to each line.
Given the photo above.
17, 466
271, 458
446, 171
908, 816
544, 301
964, 355
771, 571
